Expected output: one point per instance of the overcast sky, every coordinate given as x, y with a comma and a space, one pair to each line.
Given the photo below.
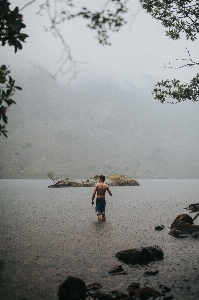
141, 47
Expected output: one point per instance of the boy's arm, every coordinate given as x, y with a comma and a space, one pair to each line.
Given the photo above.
109, 191
93, 195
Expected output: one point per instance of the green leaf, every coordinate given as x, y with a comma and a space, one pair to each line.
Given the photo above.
5, 118
4, 133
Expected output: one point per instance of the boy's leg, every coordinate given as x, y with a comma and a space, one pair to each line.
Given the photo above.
99, 217
103, 217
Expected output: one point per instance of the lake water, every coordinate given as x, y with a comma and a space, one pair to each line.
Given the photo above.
49, 234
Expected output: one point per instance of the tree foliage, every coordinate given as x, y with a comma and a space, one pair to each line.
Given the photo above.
10, 26
110, 18
7, 90
178, 17
104, 20
10, 33
179, 92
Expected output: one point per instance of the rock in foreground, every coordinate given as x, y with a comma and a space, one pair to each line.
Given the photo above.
146, 293
193, 207
72, 288
140, 256
111, 180
183, 225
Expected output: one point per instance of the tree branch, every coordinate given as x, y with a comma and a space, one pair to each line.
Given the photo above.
27, 4
191, 64
66, 56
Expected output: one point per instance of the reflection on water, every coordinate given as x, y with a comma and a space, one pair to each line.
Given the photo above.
48, 234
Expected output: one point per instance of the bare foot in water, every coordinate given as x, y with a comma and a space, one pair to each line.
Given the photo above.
101, 218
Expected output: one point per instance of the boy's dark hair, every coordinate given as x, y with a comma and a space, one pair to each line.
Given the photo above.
102, 177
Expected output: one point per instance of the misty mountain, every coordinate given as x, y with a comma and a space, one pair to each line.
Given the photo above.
97, 127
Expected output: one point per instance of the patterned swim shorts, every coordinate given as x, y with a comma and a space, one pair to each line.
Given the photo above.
100, 206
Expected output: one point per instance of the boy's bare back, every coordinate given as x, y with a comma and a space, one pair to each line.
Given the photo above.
101, 189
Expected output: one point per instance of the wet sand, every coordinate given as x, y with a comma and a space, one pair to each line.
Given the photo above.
49, 234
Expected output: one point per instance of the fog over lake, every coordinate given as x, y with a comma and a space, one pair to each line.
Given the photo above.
105, 120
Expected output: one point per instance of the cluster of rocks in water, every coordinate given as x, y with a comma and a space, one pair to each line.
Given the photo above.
183, 225
111, 180
74, 288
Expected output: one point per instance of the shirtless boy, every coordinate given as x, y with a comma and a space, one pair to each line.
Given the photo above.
100, 189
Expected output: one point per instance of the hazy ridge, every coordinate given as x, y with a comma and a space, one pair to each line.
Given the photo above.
97, 127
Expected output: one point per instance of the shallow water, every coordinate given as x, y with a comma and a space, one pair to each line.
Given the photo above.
48, 234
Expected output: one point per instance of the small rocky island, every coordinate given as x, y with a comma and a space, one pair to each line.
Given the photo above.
111, 180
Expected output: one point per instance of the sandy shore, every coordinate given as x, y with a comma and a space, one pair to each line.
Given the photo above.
49, 234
